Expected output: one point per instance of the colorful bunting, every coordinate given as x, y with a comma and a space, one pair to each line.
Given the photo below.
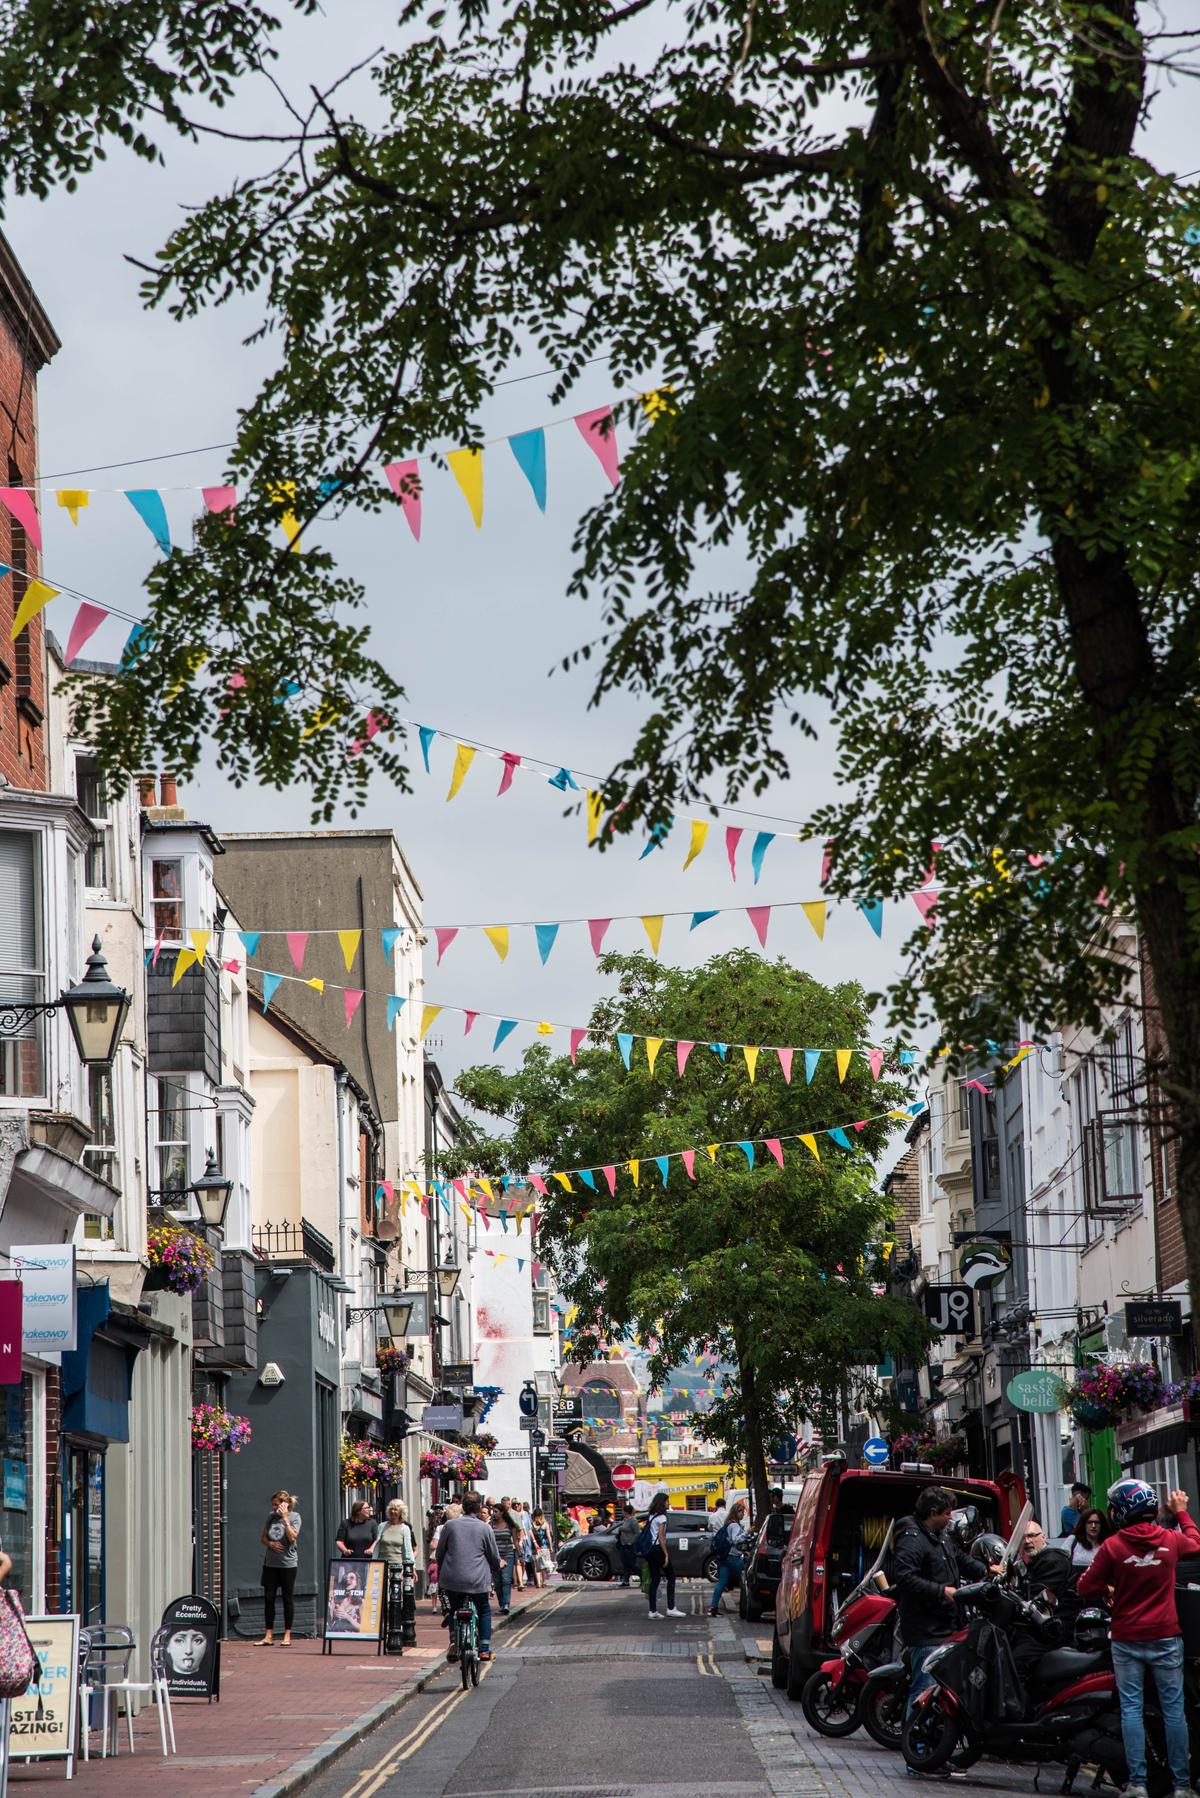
625, 1045
511, 764
466, 465
395, 1004
699, 837
271, 983
529, 449
760, 917
811, 1058
444, 935
872, 911
653, 927
750, 1054
653, 1045
389, 939
785, 1062
595, 811
842, 1057
497, 936
297, 942
428, 1014
597, 927
20, 504
463, 757
148, 504
814, 911
73, 500
545, 935
88, 620
505, 1028
352, 996
35, 599
348, 941
577, 1037
405, 484
219, 499
733, 836
598, 430
762, 843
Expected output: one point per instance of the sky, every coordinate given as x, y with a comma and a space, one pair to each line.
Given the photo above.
472, 623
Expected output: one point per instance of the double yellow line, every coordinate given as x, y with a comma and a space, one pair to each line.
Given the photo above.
706, 1663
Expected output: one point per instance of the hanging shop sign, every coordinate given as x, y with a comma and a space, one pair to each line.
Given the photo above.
950, 1309
1154, 1317
1037, 1389
47, 1275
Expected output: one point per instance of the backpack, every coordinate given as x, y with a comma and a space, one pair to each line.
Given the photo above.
646, 1540
722, 1547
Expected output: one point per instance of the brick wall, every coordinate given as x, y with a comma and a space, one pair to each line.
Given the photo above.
53, 1491
903, 1187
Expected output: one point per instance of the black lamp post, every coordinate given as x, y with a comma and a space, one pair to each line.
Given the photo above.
211, 1192
96, 1011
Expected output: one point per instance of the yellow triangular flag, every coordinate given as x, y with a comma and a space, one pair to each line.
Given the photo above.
317, 984
428, 1013
200, 941
36, 597
73, 500
634, 1170
196, 660
465, 1209
814, 911
464, 755
497, 936
326, 714
653, 1045
183, 961
658, 400
281, 493
563, 1182
699, 834
751, 1055
349, 940
653, 928
545, 1029
485, 1186
466, 465
810, 1143
595, 811
842, 1057
712, 1151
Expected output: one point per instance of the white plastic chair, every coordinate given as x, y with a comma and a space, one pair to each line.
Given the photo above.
105, 1652
157, 1689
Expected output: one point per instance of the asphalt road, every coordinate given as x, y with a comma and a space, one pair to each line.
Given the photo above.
589, 1699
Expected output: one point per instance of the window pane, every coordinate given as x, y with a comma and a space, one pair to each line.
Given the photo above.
172, 1169
89, 788
21, 977
166, 900
172, 1111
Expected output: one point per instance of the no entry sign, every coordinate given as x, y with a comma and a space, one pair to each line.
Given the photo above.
624, 1477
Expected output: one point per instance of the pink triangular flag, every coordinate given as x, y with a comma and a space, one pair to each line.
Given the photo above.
602, 438
459, 1188
21, 505
232, 967
88, 620
610, 1179
688, 1158
827, 860
785, 1062
538, 1184
861, 1125
733, 836
596, 930
470, 1017
682, 1051
935, 850
577, 1037
445, 934
397, 473
773, 1148
511, 764
875, 1060
353, 998
760, 917
375, 722
220, 499
297, 942
926, 904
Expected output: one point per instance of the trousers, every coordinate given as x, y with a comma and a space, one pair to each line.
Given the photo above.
283, 1581
657, 1562
1164, 1658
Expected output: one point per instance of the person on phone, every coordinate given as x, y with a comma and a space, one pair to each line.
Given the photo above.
281, 1532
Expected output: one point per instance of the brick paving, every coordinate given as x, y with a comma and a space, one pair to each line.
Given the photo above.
277, 1706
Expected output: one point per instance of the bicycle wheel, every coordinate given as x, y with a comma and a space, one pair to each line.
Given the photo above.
466, 1660
474, 1669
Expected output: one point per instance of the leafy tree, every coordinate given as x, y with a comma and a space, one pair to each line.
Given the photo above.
771, 1267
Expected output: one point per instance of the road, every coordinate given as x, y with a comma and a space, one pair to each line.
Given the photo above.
589, 1699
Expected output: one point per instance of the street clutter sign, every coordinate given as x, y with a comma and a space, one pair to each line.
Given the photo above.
1037, 1389
875, 1451
193, 1649
527, 1400
11, 1312
950, 1309
50, 1736
624, 1476
1154, 1317
47, 1272
353, 1602
458, 1373
528, 1423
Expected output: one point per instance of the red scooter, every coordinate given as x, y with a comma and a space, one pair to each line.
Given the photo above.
831, 1697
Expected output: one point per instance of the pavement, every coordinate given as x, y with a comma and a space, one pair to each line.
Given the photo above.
283, 1714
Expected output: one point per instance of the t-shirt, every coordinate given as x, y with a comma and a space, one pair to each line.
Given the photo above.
1139, 1564
394, 1544
502, 1531
658, 1531
287, 1556
359, 1537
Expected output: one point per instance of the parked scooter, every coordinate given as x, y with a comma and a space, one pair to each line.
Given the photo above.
863, 1638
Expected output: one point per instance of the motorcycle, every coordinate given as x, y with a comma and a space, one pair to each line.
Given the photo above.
863, 1639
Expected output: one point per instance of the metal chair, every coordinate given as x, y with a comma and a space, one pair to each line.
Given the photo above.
157, 1688
105, 1651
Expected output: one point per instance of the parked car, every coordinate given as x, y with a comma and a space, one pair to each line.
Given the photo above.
764, 1563
840, 1524
596, 1556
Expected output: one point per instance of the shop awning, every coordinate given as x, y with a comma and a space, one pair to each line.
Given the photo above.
97, 1377
48, 1193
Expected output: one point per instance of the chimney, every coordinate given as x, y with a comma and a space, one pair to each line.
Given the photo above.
169, 794
146, 789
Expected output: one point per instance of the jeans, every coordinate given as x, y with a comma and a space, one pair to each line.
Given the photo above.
920, 1680
733, 1563
1165, 1658
483, 1612
504, 1584
629, 1562
656, 1560
283, 1581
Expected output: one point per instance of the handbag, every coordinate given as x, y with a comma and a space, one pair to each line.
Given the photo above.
19, 1665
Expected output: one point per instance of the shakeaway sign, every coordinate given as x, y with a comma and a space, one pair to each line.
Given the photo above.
47, 1275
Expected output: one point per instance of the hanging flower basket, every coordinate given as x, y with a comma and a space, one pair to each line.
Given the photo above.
218, 1432
178, 1259
369, 1463
1103, 1394
946, 1453
390, 1360
484, 1441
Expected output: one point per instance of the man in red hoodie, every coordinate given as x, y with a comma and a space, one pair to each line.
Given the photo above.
1138, 1563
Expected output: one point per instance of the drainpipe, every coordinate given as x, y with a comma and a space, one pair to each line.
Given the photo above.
339, 1079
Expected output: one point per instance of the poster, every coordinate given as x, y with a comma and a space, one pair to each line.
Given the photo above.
14, 1486
56, 1644
192, 1648
354, 1603
47, 1274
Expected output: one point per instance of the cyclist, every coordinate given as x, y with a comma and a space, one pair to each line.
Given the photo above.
468, 1564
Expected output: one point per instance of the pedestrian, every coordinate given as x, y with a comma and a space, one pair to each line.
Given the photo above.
1085, 1539
468, 1568
927, 1569
280, 1534
1138, 1564
1047, 1567
1081, 1498
728, 1545
505, 1532
718, 1514
628, 1531
394, 1544
658, 1558
519, 1538
528, 1545
543, 1548
356, 1534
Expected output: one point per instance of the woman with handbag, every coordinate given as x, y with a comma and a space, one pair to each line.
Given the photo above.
543, 1554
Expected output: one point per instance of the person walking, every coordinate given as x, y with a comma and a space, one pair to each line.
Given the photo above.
505, 1532
927, 1569
728, 1545
543, 1548
468, 1567
281, 1532
356, 1534
517, 1517
1138, 1564
659, 1558
528, 1545
628, 1531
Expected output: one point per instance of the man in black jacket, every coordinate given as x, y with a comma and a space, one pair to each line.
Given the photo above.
927, 1569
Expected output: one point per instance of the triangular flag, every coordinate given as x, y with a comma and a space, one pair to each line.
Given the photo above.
349, 941
733, 836
36, 598
842, 1057
711, 1151
839, 1137
811, 1058
720, 1050
595, 811
200, 939
73, 500
137, 644
405, 484
785, 1062
747, 1149
774, 1148
625, 1044
760, 917
564, 780
464, 755
466, 465
250, 940
317, 985
529, 448
652, 925
872, 911
663, 1163
610, 1179
21, 505
699, 834
428, 1014
597, 927
426, 734
219, 499
653, 1045
700, 917
545, 935
505, 1028
497, 936
926, 904
635, 1168
875, 1060
682, 1051
389, 939
599, 431
810, 1143
232, 967
183, 961
689, 1161
762, 843
444, 935
395, 1005
147, 503
271, 984
511, 764
88, 620
577, 1037
297, 942
352, 996
814, 911
563, 1182
469, 1018
750, 1054
588, 1178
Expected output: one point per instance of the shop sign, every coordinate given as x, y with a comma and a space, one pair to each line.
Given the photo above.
353, 1602
47, 1272
950, 1309
11, 1329
192, 1650
458, 1373
442, 1419
1037, 1389
1154, 1317
50, 1735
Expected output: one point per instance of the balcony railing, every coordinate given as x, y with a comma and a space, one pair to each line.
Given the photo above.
294, 1242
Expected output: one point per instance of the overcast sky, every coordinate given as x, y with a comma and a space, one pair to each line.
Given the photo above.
470, 622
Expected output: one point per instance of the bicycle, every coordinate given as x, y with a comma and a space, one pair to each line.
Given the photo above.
466, 1635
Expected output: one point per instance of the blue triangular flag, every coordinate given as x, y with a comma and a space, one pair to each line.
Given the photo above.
5, 568
588, 1177
545, 934
521, 1263
663, 1162
624, 1044
504, 1223
271, 983
564, 779
506, 1181
147, 503
327, 486
747, 1149
390, 938
907, 1057
529, 447
872, 911
700, 917
840, 1138
250, 940
811, 1058
505, 1028
395, 1006
658, 836
137, 644
439, 1186
762, 843
426, 735
719, 1050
